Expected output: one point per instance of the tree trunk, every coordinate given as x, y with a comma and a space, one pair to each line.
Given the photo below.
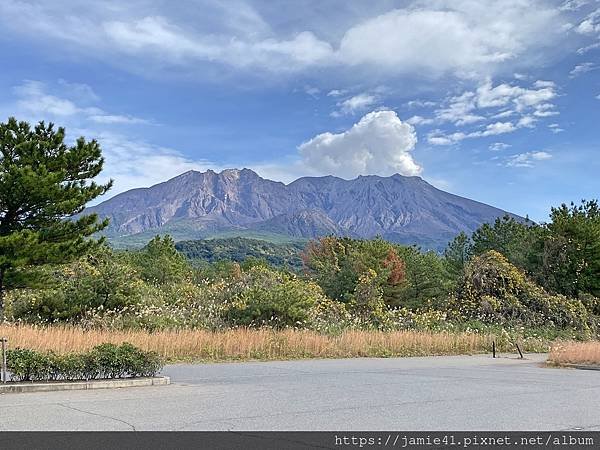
2, 272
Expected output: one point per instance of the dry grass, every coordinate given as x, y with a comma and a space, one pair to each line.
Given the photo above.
245, 344
587, 353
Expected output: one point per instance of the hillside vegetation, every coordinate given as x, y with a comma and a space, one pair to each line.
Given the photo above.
508, 279
238, 249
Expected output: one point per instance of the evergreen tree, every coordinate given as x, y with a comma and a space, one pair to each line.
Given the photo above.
43, 184
572, 249
457, 254
160, 263
521, 243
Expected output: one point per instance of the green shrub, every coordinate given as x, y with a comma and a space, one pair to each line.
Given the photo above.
265, 297
495, 291
103, 361
98, 281
367, 303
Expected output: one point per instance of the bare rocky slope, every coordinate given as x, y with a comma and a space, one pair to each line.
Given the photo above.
200, 204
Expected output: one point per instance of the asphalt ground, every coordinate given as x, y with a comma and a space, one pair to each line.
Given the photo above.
431, 393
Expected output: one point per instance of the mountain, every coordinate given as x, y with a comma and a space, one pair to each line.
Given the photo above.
302, 223
198, 205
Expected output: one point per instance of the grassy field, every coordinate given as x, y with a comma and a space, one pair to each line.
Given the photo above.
248, 344
585, 353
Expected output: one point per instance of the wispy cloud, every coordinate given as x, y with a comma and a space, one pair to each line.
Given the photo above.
591, 24
355, 104
574, 5
492, 103
34, 99
420, 103
527, 159
555, 128
582, 68
499, 146
130, 162
442, 37
116, 118
134, 163
419, 120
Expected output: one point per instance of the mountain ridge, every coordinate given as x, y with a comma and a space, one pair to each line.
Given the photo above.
399, 208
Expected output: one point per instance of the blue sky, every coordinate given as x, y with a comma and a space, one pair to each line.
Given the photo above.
497, 101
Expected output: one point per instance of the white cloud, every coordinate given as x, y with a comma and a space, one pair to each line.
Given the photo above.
419, 120
420, 103
544, 84
573, 5
80, 91
498, 146
582, 68
130, 162
467, 107
598, 97
459, 110
380, 143
545, 110
313, 91
460, 37
522, 98
555, 128
155, 35
494, 129
504, 114
355, 104
526, 122
134, 163
587, 48
116, 118
34, 101
527, 159
336, 93
437, 137
489, 102
591, 23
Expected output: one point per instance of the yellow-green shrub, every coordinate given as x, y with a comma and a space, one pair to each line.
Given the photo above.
495, 291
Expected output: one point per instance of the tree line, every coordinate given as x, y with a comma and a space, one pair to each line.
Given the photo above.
54, 269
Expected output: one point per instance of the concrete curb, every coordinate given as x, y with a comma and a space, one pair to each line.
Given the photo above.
83, 385
581, 366
573, 366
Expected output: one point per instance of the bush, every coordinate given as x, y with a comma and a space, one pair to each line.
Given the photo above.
265, 297
98, 281
495, 291
103, 361
367, 303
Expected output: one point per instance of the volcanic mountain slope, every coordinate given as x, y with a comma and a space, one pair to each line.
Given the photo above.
398, 208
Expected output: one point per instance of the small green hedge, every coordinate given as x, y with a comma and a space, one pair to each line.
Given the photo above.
102, 361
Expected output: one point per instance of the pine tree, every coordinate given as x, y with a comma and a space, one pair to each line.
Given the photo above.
43, 184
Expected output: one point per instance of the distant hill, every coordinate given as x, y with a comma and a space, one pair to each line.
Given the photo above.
240, 249
197, 205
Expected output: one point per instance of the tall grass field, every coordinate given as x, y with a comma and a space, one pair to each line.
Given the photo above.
260, 344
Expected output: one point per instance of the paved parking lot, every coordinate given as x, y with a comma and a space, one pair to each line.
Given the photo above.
435, 393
